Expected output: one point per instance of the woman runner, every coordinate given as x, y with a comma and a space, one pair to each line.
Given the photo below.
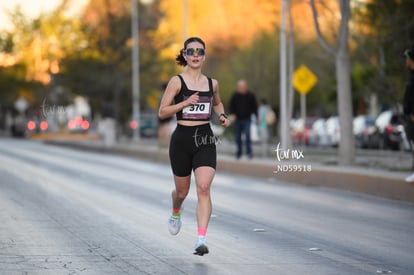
192, 97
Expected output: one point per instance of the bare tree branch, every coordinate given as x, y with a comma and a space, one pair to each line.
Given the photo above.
333, 14
321, 39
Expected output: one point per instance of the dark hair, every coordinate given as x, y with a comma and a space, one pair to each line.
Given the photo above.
180, 57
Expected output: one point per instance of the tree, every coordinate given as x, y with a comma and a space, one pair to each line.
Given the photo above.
103, 68
343, 77
383, 29
15, 80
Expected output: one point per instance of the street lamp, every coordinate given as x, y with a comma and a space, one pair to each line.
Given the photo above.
135, 66
283, 79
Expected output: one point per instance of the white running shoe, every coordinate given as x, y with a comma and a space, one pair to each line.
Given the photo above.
410, 178
201, 247
174, 225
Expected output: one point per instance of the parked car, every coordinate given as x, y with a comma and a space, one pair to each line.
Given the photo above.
390, 130
36, 125
18, 126
333, 130
78, 125
301, 129
318, 135
148, 126
365, 132
254, 130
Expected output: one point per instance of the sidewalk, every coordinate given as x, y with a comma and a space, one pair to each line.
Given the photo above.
376, 173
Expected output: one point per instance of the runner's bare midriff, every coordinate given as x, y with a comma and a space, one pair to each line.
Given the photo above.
191, 122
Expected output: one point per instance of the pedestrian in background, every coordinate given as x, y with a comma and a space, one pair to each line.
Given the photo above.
192, 97
243, 105
108, 124
265, 121
408, 104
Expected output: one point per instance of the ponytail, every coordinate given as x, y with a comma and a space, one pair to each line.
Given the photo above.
181, 59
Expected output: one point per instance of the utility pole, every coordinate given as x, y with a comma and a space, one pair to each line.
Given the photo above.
284, 129
185, 20
135, 69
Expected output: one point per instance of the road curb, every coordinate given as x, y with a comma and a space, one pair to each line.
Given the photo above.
366, 182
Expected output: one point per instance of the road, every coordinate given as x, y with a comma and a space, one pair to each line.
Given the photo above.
65, 211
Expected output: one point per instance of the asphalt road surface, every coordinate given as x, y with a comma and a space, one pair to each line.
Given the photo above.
65, 211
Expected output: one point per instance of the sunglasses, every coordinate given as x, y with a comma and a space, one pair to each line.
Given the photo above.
192, 51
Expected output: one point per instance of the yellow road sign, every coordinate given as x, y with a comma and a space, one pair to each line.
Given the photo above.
304, 79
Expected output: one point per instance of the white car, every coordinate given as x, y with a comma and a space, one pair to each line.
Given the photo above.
319, 135
333, 130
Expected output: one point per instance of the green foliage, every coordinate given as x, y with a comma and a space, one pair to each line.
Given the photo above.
103, 69
259, 65
12, 80
6, 42
94, 54
388, 30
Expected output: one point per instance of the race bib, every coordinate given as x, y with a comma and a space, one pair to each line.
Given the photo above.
199, 111
198, 108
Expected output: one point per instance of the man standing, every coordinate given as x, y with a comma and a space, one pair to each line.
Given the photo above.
408, 103
243, 105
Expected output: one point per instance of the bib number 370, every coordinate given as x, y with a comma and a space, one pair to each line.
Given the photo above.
198, 108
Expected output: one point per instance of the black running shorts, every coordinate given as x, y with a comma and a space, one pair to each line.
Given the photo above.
192, 147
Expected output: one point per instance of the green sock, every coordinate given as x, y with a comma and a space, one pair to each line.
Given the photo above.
176, 213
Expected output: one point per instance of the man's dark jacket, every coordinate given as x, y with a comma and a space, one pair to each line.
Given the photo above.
243, 105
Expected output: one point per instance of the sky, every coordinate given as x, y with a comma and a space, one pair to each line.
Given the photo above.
32, 8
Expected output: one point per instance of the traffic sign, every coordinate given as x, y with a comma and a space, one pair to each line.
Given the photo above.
304, 79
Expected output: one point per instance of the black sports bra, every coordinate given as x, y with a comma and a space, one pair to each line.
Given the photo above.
200, 111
